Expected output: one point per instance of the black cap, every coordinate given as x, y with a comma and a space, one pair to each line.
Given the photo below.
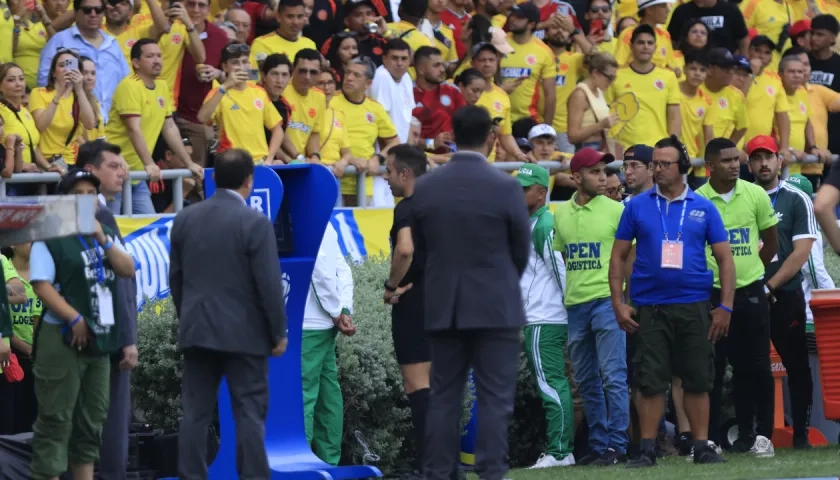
72, 177
478, 47
743, 63
764, 40
639, 153
721, 57
526, 10
351, 5
524, 145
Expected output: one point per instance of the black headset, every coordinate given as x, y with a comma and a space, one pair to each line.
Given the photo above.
684, 162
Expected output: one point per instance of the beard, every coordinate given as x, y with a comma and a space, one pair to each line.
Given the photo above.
556, 42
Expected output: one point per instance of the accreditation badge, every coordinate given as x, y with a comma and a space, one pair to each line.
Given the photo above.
672, 255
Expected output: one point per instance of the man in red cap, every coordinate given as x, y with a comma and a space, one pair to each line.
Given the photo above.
584, 230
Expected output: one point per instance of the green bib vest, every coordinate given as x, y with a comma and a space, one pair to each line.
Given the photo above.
76, 277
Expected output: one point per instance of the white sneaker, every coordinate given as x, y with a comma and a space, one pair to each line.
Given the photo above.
763, 447
717, 449
548, 461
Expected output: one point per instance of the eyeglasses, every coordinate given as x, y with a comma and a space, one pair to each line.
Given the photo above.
343, 35
89, 10
235, 48
613, 191
308, 71
662, 165
611, 78
604, 9
633, 166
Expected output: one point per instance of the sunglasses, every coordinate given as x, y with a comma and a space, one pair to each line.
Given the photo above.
235, 48
89, 10
308, 71
63, 50
611, 78
603, 9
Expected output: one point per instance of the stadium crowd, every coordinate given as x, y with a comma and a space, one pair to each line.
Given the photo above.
751, 87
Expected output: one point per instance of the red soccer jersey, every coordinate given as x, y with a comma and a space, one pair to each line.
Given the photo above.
456, 23
434, 108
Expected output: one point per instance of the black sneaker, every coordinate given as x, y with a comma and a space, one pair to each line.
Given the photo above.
644, 460
742, 445
706, 455
610, 458
587, 459
684, 443
801, 443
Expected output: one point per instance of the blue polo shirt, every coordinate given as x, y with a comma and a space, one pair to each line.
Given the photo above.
650, 284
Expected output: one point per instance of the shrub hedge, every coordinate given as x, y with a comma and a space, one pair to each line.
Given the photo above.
374, 403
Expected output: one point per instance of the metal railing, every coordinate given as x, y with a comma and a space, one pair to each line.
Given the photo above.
552, 166
176, 175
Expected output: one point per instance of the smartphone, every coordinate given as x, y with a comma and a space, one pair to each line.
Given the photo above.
71, 64
253, 74
596, 27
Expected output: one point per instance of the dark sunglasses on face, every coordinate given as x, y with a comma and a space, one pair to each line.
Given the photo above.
89, 10
235, 48
308, 71
603, 8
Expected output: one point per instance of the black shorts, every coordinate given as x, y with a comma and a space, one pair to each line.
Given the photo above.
408, 329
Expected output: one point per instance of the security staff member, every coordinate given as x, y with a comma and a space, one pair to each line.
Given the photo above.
670, 287
747, 214
797, 233
404, 290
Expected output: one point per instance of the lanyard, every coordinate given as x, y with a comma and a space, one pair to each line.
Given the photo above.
664, 226
775, 197
98, 263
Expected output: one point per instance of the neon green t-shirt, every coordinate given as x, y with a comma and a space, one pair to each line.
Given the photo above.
23, 316
747, 213
586, 235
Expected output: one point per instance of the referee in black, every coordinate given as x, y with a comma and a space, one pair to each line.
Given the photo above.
404, 290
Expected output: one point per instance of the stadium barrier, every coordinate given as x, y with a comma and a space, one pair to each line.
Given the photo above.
178, 175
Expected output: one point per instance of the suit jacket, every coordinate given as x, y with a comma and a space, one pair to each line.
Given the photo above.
126, 289
472, 223
225, 277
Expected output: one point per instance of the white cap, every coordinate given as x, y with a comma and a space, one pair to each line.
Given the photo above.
643, 4
541, 131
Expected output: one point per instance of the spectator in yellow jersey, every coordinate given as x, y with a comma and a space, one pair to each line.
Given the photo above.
656, 90
528, 73
821, 101
727, 117
485, 58
742, 77
443, 36
589, 116
767, 105
32, 30
694, 104
651, 13
242, 111
62, 110
335, 146
18, 120
793, 68
143, 96
371, 126
472, 84
693, 38
118, 23
307, 104
599, 14
181, 36
287, 38
772, 18
413, 28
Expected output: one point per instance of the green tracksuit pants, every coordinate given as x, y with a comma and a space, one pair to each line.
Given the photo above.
323, 405
545, 346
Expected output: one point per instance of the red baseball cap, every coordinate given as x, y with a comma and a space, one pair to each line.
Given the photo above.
800, 27
762, 142
588, 157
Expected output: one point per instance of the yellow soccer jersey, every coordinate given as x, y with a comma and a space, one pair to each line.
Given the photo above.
306, 117
663, 56
242, 116
274, 43
798, 119
31, 40
654, 91
497, 103
334, 138
172, 48
728, 112
693, 111
133, 99
129, 37
533, 60
569, 71
769, 17
765, 98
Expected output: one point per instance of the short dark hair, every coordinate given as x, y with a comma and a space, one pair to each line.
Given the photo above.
232, 168
717, 145
425, 52
307, 54
395, 45
696, 56
825, 22
471, 126
409, 157
794, 51
275, 60
283, 4
137, 48
642, 29
468, 76
91, 153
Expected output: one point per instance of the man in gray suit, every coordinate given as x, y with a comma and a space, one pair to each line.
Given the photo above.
472, 223
226, 283
105, 162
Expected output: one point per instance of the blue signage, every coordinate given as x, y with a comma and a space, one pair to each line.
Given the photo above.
266, 195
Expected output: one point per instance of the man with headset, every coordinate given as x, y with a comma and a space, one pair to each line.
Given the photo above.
670, 291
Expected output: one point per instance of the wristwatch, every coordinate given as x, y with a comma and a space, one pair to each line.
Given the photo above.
389, 288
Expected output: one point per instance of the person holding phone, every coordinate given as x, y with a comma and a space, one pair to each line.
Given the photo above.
243, 110
62, 110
